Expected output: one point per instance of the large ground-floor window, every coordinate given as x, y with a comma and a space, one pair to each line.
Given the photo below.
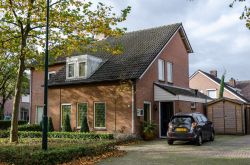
100, 115
81, 113
39, 114
66, 110
24, 114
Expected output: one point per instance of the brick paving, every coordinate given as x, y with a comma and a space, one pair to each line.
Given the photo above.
228, 147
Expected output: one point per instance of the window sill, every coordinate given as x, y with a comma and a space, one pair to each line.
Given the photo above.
100, 129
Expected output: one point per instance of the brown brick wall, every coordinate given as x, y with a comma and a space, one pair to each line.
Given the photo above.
94, 93
184, 106
37, 80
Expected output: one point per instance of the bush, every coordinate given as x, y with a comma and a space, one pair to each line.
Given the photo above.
66, 124
84, 125
50, 125
4, 125
30, 155
29, 127
71, 135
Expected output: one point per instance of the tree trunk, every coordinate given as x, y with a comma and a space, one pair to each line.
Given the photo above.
17, 97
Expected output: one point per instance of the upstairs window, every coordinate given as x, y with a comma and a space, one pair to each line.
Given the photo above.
81, 66
212, 93
82, 70
50, 74
170, 72
161, 70
71, 70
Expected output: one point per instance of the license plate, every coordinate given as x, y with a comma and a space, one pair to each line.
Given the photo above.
181, 129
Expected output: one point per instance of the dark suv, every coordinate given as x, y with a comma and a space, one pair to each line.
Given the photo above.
190, 127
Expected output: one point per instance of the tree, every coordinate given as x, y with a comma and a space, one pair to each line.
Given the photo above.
246, 12
222, 84
74, 25
66, 124
84, 124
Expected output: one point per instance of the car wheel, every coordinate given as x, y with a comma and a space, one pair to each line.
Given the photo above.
212, 136
170, 142
199, 140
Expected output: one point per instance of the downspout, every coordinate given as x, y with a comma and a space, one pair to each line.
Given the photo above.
133, 107
30, 101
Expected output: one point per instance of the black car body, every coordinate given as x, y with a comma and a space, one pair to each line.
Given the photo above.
190, 127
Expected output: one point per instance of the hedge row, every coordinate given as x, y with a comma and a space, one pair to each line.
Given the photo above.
4, 125
71, 135
12, 155
29, 127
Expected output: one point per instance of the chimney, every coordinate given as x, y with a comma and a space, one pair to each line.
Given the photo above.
213, 73
232, 82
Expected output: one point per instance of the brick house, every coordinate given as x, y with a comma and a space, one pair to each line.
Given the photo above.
23, 108
209, 84
149, 81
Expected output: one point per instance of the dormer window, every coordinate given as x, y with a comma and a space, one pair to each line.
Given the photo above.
82, 69
81, 66
71, 70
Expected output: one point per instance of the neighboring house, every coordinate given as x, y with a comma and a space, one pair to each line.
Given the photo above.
209, 84
148, 82
23, 110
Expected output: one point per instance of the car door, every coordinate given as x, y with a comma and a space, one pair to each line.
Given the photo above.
208, 126
202, 126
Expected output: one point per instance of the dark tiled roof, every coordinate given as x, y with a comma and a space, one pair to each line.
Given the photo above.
182, 91
139, 50
227, 86
244, 86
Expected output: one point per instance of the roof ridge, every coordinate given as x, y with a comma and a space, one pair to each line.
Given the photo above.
152, 28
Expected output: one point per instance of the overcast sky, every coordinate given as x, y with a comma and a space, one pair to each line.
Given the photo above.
219, 38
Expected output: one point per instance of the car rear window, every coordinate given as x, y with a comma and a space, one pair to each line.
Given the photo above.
182, 120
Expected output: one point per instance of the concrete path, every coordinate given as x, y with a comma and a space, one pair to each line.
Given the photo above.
229, 150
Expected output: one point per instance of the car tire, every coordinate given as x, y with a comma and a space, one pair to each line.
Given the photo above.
212, 136
170, 142
199, 140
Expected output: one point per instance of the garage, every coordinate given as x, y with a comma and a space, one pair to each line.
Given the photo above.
229, 116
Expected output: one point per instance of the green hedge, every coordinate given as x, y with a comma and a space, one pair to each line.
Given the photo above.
31, 156
29, 127
4, 125
71, 135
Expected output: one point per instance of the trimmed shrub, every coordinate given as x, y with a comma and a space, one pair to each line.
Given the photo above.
50, 125
4, 125
84, 125
71, 135
29, 127
30, 156
66, 124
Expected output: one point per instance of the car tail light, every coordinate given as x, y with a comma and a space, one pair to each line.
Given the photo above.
170, 127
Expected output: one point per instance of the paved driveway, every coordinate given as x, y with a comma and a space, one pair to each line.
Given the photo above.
229, 150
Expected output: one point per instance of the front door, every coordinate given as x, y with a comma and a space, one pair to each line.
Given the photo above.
166, 112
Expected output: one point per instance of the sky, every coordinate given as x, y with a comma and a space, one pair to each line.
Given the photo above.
220, 40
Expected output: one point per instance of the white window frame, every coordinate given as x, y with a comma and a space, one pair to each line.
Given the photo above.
77, 113
67, 70
36, 120
78, 68
170, 72
62, 110
212, 90
52, 72
150, 110
105, 115
161, 67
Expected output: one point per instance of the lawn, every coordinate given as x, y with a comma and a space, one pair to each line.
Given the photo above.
29, 151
